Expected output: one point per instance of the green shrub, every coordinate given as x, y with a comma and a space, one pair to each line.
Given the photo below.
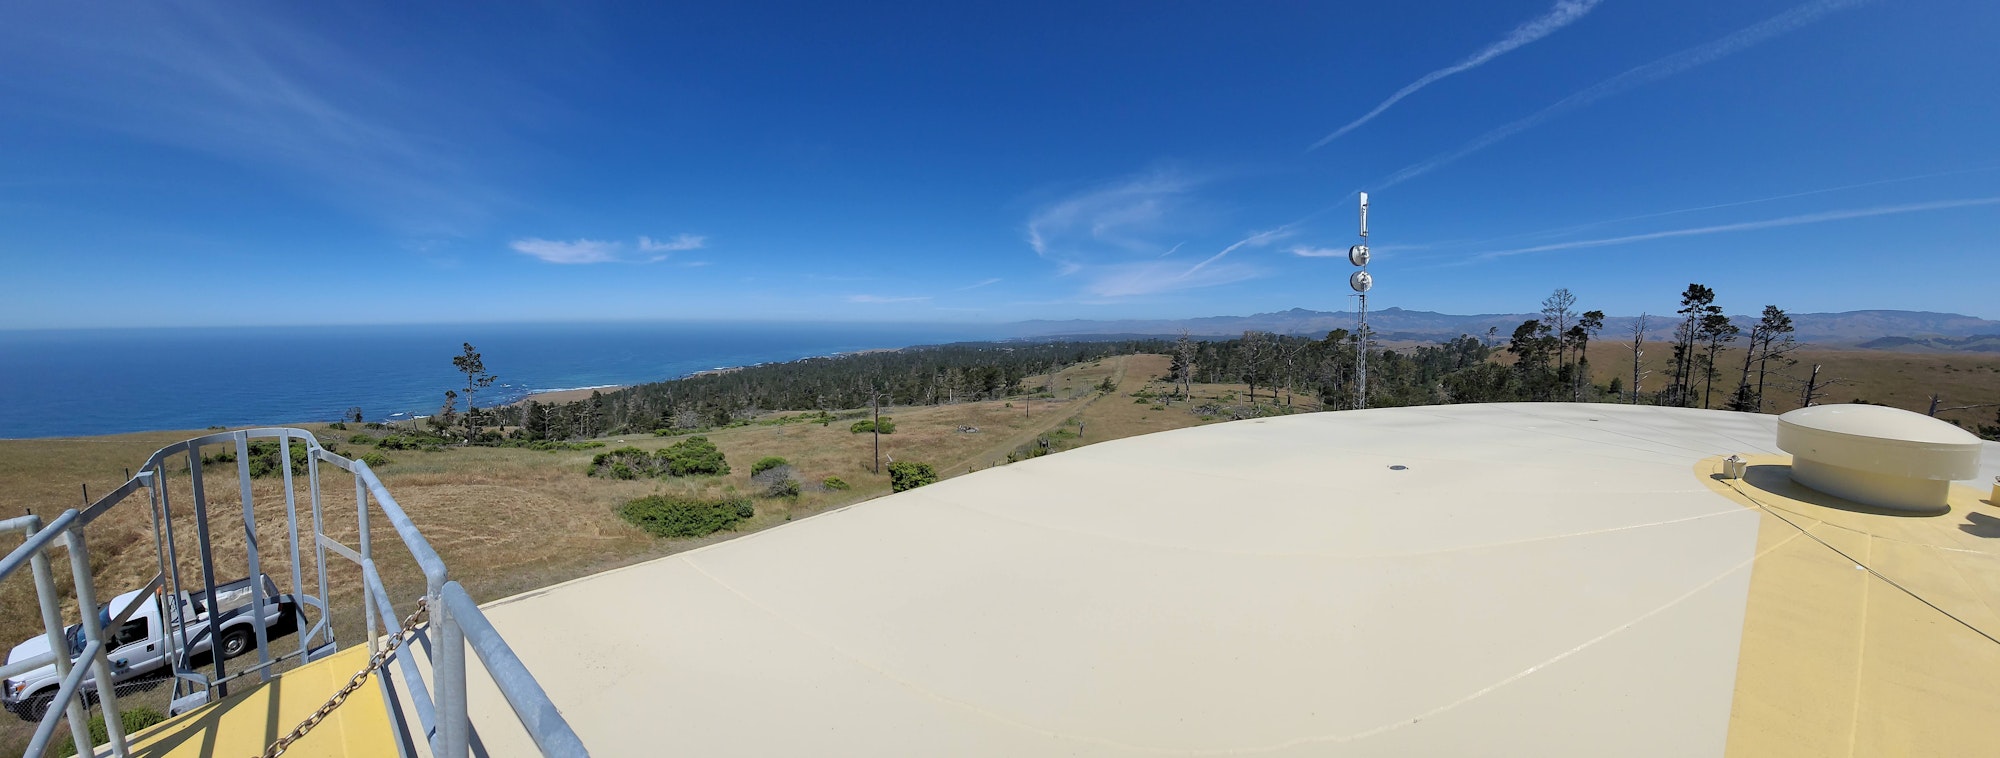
338, 425
887, 426
374, 459
361, 439
429, 443
264, 457
673, 516
766, 463
909, 475
692, 457
134, 718
833, 483
551, 446
624, 463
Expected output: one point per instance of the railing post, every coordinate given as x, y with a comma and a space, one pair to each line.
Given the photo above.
448, 677
292, 539
93, 631
174, 640
319, 534
367, 554
45, 591
207, 568
256, 561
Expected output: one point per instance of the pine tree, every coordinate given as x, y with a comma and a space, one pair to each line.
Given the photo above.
474, 368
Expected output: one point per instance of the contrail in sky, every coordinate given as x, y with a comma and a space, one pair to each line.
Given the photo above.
1742, 39
1809, 218
1695, 209
1565, 12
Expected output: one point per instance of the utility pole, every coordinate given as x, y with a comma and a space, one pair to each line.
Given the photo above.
875, 403
1361, 282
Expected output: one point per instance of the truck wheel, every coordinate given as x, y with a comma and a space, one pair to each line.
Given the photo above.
37, 705
236, 642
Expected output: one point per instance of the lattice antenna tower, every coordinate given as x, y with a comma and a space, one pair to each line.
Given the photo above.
1361, 282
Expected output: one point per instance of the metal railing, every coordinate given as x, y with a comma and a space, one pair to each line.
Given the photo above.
455, 618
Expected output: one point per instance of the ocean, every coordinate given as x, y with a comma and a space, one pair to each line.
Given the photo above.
56, 383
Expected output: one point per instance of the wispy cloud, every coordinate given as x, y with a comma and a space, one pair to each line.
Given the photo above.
1740, 40
1563, 14
573, 251
253, 86
1115, 238
678, 243
649, 250
1152, 278
1123, 215
1807, 218
1304, 251
1256, 239
978, 284
886, 299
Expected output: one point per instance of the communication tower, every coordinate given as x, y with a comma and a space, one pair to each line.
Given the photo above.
1361, 282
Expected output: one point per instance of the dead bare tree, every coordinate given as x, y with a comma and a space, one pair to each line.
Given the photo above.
1185, 351
1638, 353
1812, 389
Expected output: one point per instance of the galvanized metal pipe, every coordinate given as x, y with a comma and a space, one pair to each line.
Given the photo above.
36, 543
530, 702
93, 632
367, 556
175, 589
256, 561
292, 540
46, 729
52, 625
319, 537
448, 675
207, 563
421, 699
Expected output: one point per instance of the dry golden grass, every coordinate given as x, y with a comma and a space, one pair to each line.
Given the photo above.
1903, 380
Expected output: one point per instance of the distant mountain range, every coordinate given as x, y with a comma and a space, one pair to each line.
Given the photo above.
1874, 330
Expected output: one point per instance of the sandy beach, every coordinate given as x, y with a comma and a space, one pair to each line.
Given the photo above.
565, 396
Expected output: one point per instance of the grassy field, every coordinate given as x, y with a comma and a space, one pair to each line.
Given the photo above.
510, 520
1902, 380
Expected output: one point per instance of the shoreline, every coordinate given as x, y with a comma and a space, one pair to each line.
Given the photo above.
583, 393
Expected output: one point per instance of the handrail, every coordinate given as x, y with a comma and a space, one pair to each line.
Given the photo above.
530, 703
456, 621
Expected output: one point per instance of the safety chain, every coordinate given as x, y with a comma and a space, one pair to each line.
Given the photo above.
388, 648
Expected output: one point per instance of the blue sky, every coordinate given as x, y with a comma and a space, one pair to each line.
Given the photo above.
279, 163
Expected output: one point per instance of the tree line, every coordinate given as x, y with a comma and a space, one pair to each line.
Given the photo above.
1549, 362
929, 375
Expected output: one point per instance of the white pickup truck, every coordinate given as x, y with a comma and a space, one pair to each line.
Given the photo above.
139, 647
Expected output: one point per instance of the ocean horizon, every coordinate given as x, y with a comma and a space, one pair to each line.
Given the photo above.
63, 383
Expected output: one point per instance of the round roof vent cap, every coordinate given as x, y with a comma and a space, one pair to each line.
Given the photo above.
1876, 455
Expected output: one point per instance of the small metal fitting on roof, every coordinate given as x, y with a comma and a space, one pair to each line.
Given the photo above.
1734, 467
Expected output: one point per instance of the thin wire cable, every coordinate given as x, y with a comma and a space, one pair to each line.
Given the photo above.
1864, 566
